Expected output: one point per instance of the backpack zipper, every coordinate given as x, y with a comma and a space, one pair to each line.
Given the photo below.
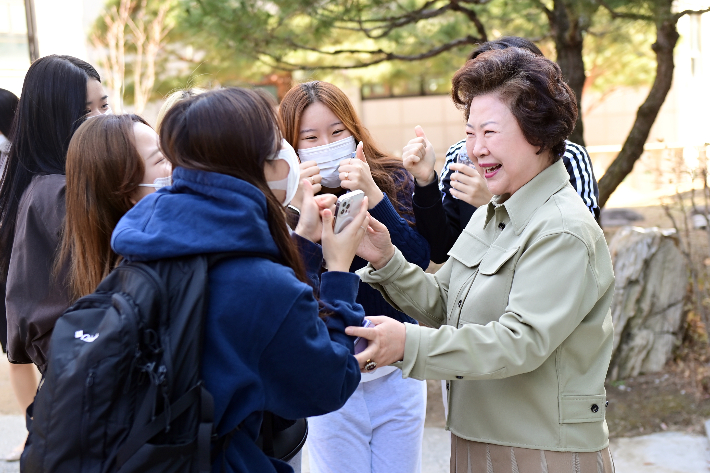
85, 418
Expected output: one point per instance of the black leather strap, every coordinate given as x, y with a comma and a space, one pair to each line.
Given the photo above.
267, 434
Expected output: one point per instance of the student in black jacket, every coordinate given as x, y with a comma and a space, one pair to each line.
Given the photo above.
443, 205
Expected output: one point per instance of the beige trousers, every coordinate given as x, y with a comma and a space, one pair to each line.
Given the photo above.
476, 457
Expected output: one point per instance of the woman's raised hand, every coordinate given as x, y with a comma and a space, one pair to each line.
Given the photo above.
310, 224
386, 341
355, 174
339, 250
376, 247
468, 185
419, 159
310, 172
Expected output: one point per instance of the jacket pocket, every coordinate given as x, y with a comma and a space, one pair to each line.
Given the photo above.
468, 250
495, 258
577, 409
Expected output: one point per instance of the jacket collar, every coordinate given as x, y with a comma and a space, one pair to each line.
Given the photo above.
523, 203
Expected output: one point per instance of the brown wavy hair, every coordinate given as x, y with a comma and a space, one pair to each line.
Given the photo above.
382, 166
533, 88
103, 171
231, 131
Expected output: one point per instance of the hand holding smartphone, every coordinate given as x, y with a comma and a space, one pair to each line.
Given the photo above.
346, 207
361, 343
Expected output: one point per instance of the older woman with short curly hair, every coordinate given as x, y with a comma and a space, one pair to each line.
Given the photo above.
518, 317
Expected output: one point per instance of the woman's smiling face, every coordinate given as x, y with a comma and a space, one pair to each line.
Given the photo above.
154, 162
320, 126
496, 143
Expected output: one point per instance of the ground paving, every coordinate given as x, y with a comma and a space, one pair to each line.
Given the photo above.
666, 452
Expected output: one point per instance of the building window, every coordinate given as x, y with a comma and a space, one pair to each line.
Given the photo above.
14, 47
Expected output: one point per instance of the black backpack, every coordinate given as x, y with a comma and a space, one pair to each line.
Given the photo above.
122, 390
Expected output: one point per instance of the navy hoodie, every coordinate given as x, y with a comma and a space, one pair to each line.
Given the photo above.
265, 347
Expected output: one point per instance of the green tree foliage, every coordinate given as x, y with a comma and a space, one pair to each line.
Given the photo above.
599, 44
403, 42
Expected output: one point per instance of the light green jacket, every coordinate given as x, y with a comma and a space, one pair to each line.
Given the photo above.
521, 319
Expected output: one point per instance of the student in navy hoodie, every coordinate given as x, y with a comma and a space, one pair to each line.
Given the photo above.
266, 348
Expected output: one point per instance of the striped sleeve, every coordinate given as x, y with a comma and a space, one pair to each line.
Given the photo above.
579, 167
451, 156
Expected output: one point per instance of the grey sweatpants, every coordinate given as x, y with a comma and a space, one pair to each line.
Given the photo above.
379, 429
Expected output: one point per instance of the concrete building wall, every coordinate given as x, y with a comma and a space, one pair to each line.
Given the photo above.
391, 121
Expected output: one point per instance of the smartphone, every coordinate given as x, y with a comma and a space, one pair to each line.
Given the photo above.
361, 343
346, 208
464, 159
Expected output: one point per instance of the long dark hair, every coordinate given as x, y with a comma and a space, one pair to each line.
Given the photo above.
51, 108
382, 167
231, 131
8, 105
104, 169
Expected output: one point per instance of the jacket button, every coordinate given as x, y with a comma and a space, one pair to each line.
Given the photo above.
595, 408
459, 377
501, 225
460, 302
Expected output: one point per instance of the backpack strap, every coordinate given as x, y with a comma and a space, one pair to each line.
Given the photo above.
204, 433
138, 437
267, 431
141, 437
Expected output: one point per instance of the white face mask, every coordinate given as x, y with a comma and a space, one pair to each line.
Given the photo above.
290, 182
328, 158
159, 183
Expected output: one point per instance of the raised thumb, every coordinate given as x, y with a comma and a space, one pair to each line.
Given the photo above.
419, 131
360, 152
327, 218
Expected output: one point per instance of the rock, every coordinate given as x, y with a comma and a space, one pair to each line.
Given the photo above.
699, 218
619, 217
650, 290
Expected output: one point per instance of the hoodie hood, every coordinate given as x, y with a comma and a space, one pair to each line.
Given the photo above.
202, 212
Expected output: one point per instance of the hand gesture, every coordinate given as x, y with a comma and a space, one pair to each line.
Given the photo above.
468, 185
355, 174
310, 224
376, 247
311, 172
339, 250
386, 345
419, 159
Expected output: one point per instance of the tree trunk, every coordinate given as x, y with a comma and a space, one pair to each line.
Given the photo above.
567, 30
666, 39
649, 294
